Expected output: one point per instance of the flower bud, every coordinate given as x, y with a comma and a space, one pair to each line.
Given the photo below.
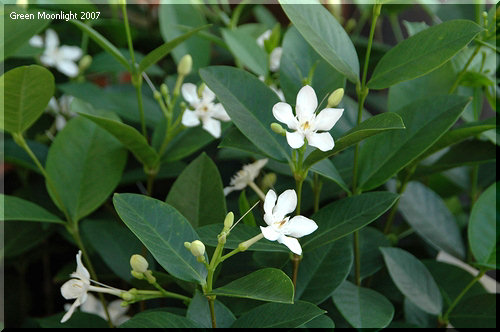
278, 129
138, 263
127, 296
185, 65
201, 88
197, 248
228, 222
157, 95
164, 90
187, 245
335, 98
268, 181
85, 62
137, 275
246, 244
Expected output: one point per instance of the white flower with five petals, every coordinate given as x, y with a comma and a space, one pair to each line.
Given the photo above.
280, 226
245, 176
204, 110
117, 313
306, 123
61, 57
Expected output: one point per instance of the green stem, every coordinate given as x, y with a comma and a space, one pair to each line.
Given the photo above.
474, 190
402, 188
317, 184
129, 35
357, 256
138, 89
170, 294
257, 190
464, 70
396, 28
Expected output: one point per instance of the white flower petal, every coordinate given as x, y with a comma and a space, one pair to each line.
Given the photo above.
93, 306
283, 113
220, 113
323, 141
295, 139
228, 190
275, 59
190, 119
47, 60
307, 102
269, 203
73, 288
212, 126
68, 314
51, 40
36, 41
327, 118
292, 244
116, 311
207, 95
67, 67
254, 168
60, 122
189, 93
287, 202
72, 53
266, 35
300, 226
269, 233
81, 271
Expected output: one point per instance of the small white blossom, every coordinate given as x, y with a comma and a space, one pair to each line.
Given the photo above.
306, 123
61, 110
279, 225
275, 59
61, 57
92, 305
273, 87
79, 287
204, 110
244, 176
263, 37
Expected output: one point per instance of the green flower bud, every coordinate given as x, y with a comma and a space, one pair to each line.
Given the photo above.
187, 245
185, 65
164, 90
200, 89
228, 222
127, 296
197, 248
335, 98
268, 181
157, 95
137, 275
278, 129
138, 263
85, 62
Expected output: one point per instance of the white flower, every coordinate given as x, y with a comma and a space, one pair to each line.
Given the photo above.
306, 123
273, 87
61, 57
275, 59
116, 312
78, 288
204, 110
61, 110
265, 36
279, 226
245, 176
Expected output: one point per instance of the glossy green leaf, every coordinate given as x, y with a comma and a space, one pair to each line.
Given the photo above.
413, 279
234, 139
15, 208
78, 319
327, 169
320, 322
372, 126
278, 315
427, 214
17, 32
163, 50
423, 52
27, 91
237, 91
426, 121
475, 312
322, 270
199, 312
197, 193
129, 137
163, 230
322, 31
244, 47
103, 42
347, 215
370, 240
21, 236
363, 307
85, 164
16, 155
158, 319
481, 232
268, 284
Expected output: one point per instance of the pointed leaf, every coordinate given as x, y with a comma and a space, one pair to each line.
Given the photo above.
245, 49
476, 312
199, 312
158, 319
15, 208
163, 230
327, 169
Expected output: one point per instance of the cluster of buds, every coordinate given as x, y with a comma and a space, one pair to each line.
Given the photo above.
197, 248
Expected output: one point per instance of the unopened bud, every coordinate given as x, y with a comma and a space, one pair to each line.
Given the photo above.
268, 181
85, 62
200, 259
187, 245
245, 245
197, 248
138, 263
201, 89
278, 129
335, 98
222, 238
137, 275
228, 222
157, 95
164, 90
185, 65
127, 296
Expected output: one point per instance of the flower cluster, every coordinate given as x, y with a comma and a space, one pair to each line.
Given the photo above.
245, 176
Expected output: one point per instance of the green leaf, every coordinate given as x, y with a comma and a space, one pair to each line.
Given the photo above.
320, 322
103, 42
322, 31
363, 307
245, 49
17, 32
197, 193
322, 270
15, 208
244, 206
423, 52
22, 236
199, 312
347, 215
413, 280
158, 319
476, 312
427, 214
163, 230
237, 91
278, 315
234, 139
483, 238
14, 154
27, 91
85, 164
372, 126
426, 121
268, 284
129, 137
370, 240
163, 50
78, 319
327, 169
